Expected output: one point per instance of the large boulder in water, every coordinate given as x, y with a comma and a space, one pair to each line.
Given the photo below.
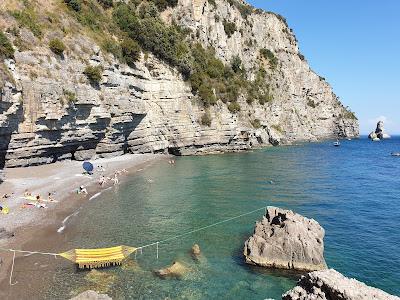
331, 285
379, 132
286, 240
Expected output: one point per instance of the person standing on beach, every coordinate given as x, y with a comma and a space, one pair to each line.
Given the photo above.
116, 181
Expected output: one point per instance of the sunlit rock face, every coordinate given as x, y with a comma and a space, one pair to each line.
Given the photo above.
286, 240
49, 111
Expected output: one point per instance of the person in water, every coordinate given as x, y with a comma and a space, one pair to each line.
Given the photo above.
115, 179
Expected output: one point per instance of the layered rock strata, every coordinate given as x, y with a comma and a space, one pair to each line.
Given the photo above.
49, 111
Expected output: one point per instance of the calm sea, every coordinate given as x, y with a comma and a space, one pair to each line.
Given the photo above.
353, 191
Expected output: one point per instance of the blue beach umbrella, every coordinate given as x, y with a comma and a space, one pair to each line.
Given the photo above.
87, 166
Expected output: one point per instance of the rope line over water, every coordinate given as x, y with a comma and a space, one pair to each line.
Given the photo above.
202, 228
28, 253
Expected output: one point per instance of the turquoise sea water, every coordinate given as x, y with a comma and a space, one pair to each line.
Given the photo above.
353, 191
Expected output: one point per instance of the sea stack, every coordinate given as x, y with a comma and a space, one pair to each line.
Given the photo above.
286, 240
379, 133
332, 285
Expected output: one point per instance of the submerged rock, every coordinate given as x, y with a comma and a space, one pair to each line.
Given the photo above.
379, 133
176, 270
131, 265
332, 285
195, 252
286, 240
100, 281
91, 295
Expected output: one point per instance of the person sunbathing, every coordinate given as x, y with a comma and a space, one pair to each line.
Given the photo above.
102, 180
50, 198
82, 190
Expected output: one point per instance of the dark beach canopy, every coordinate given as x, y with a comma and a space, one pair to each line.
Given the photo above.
87, 166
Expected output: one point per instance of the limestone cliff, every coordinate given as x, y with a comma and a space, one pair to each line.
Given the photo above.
49, 110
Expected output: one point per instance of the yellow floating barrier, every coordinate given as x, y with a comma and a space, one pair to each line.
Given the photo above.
98, 258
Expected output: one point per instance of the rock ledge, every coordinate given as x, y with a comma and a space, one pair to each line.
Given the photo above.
332, 285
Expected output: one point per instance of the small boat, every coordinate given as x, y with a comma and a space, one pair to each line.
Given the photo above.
395, 153
336, 144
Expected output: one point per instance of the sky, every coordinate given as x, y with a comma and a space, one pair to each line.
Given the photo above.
355, 45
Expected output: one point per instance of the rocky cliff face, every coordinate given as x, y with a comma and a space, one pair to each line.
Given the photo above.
49, 111
331, 285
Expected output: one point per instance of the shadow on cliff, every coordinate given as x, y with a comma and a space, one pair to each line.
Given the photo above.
124, 130
68, 135
74, 138
12, 121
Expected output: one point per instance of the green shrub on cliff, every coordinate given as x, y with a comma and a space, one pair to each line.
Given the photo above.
350, 115
70, 97
234, 107
27, 18
130, 51
207, 95
268, 54
229, 27
213, 3
139, 25
163, 4
258, 89
106, 3
74, 4
109, 45
206, 119
57, 46
256, 123
244, 9
93, 73
236, 64
146, 27
6, 49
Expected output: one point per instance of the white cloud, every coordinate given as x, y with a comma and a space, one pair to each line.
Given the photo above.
374, 121
391, 127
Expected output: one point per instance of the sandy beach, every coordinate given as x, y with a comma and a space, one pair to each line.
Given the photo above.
62, 179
